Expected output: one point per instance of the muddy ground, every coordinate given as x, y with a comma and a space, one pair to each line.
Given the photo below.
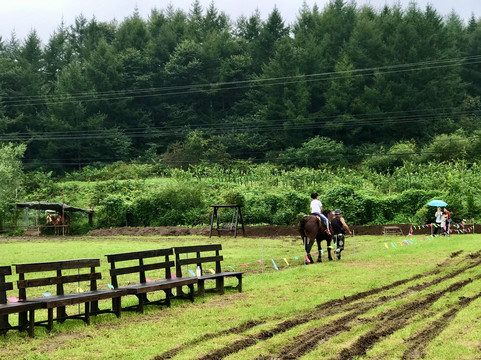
353, 311
250, 231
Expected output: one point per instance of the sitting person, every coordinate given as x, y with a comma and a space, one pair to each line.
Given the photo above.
316, 208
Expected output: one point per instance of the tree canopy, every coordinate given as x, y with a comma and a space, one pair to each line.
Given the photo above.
344, 82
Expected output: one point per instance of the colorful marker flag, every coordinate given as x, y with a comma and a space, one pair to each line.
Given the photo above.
79, 290
259, 261
245, 265
12, 299
385, 244
296, 258
307, 259
191, 273
286, 261
212, 271
110, 286
148, 280
46, 294
275, 266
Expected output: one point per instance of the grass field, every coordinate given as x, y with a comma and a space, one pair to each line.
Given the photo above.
378, 302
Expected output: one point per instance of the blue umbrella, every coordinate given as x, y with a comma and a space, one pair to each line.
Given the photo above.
437, 203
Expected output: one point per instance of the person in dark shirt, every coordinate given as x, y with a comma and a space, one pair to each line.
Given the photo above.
339, 228
448, 220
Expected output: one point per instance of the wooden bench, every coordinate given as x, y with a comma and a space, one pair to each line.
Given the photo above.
202, 255
14, 307
66, 272
144, 286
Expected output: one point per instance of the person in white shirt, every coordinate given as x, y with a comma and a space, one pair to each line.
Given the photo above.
316, 208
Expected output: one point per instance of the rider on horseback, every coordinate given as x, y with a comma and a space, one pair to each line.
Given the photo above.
339, 228
316, 208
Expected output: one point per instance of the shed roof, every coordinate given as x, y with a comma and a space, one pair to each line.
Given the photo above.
42, 205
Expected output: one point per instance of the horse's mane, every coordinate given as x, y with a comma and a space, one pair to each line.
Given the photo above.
328, 213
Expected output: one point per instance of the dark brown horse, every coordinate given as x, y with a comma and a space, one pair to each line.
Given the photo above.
312, 228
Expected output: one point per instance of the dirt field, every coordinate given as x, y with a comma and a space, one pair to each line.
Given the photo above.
250, 231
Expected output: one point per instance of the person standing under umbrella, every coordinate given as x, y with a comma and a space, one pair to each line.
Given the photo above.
438, 215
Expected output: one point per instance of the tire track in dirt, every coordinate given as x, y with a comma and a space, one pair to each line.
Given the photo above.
393, 320
235, 330
311, 339
340, 325
420, 341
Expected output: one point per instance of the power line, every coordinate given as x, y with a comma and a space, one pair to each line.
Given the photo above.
237, 85
278, 125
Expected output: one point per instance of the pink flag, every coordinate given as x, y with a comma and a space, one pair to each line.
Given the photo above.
307, 259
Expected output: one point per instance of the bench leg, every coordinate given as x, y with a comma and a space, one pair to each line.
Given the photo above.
191, 292
31, 325
117, 306
239, 286
87, 313
200, 288
219, 284
94, 307
4, 324
179, 293
142, 300
50, 320
167, 297
22, 321
61, 314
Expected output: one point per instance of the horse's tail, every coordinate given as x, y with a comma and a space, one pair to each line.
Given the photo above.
303, 222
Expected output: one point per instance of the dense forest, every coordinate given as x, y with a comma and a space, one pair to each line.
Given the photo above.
342, 85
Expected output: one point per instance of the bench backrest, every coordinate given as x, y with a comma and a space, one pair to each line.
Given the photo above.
141, 267
198, 255
60, 278
4, 285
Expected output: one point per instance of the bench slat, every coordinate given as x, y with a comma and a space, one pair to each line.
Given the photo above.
197, 248
139, 268
78, 298
198, 260
56, 265
22, 284
5, 270
139, 255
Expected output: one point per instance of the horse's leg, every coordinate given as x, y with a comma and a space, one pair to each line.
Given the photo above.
319, 249
308, 249
329, 249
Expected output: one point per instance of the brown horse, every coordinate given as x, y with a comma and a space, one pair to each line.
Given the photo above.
58, 221
312, 228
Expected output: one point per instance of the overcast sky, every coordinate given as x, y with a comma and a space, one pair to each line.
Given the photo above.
45, 16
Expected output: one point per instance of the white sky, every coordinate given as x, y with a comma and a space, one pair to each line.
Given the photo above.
45, 16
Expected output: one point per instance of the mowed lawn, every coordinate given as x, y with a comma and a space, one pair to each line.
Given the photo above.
269, 298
